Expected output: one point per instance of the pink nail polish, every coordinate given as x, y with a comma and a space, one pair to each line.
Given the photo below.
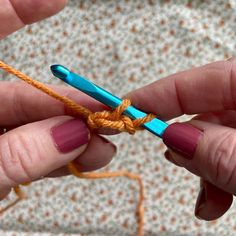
70, 135
182, 138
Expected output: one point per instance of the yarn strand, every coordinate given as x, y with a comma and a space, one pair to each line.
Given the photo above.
104, 119
140, 208
68, 102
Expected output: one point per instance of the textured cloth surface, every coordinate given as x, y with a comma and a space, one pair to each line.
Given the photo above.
121, 45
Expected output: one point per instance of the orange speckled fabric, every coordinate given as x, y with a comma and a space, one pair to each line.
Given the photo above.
121, 45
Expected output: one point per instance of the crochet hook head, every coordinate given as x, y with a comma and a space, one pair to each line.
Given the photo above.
85, 86
60, 72
155, 126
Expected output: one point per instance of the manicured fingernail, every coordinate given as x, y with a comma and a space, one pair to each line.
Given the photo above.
169, 157
182, 138
70, 135
201, 201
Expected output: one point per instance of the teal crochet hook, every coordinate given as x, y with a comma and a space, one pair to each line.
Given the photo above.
155, 126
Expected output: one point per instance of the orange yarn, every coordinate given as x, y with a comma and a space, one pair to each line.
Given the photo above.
104, 119
140, 208
115, 120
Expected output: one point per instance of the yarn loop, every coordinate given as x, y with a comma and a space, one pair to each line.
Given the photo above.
103, 119
115, 120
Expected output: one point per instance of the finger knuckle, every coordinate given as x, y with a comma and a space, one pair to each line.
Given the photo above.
16, 157
223, 158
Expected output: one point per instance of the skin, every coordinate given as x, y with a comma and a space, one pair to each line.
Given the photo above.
18, 115
207, 91
189, 92
14, 14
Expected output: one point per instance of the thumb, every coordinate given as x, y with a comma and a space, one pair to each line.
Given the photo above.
34, 150
207, 150
14, 14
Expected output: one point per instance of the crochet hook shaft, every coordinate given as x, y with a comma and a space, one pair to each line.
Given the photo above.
155, 126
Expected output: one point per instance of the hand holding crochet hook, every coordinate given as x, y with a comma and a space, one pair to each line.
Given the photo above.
205, 146
200, 145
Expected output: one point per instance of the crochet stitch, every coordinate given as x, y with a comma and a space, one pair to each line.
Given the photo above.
104, 119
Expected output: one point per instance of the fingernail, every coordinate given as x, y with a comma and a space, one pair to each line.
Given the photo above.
70, 135
201, 202
182, 138
169, 157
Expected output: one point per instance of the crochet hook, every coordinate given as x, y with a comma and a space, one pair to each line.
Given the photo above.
155, 126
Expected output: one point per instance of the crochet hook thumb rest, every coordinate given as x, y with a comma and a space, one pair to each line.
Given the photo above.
155, 126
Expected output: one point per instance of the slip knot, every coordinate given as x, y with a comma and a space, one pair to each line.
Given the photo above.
116, 120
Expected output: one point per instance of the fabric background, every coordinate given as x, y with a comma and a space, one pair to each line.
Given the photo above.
121, 45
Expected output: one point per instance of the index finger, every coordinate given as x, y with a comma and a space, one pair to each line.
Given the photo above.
15, 14
203, 89
20, 103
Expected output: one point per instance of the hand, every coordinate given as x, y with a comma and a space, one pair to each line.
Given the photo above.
42, 137
14, 14
206, 145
